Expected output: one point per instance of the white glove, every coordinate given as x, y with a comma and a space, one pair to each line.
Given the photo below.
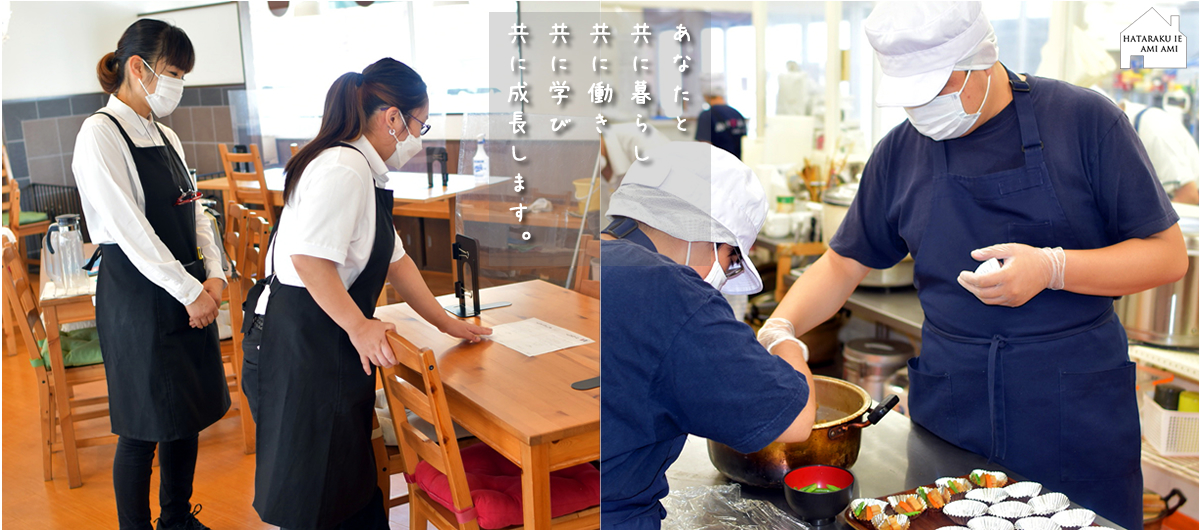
779, 330
1025, 273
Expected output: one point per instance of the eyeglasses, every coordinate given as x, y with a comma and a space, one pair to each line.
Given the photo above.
424, 126
187, 194
186, 197
735, 264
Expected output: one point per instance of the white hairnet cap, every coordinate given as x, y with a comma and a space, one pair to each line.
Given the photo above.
712, 85
919, 44
694, 191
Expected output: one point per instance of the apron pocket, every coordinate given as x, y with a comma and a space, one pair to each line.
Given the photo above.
1032, 234
929, 401
1100, 437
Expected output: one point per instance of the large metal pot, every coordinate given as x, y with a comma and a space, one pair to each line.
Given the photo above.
841, 414
1167, 315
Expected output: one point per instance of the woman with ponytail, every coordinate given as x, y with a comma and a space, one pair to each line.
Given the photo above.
160, 281
311, 344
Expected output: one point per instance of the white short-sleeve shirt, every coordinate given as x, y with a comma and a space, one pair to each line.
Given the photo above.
331, 215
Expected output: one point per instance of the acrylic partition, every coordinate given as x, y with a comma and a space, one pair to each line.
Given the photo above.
548, 187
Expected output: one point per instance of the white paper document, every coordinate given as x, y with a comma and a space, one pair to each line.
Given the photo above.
534, 337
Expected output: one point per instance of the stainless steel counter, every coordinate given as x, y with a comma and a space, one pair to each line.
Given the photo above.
895, 455
896, 308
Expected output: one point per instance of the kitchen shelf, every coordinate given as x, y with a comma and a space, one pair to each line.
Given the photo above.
1184, 467
1185, 364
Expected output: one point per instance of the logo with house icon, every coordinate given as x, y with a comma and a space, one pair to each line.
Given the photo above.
1159, 42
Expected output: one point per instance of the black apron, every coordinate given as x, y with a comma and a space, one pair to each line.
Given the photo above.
1058, 408
165, 378
315, 465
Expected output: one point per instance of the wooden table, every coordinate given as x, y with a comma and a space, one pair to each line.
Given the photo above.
524, 407
413, 196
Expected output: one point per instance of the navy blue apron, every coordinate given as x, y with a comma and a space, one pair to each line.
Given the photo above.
165, 378
1056, 407
315, 467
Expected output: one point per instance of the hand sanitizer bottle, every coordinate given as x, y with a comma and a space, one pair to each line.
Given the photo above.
482, 171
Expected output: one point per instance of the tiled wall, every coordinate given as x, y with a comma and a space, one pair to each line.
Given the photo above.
40, 134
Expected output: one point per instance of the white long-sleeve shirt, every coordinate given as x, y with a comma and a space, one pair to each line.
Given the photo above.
114, 203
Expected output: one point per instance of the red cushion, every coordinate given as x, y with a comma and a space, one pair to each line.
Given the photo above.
496, 487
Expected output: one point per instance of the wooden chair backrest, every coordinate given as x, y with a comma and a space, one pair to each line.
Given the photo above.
236, 217
248, 187
12, 193
256, 240
589, 248
415, 384
19, 293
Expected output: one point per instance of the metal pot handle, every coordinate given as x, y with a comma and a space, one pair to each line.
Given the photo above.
1166, 500
872, 417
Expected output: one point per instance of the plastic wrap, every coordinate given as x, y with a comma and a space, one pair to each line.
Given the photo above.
723, 508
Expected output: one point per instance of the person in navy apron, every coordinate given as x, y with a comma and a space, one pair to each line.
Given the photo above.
312, 339
160, 279
1026, 365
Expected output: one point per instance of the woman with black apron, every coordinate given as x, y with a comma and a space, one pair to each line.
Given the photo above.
160, 280
312, 340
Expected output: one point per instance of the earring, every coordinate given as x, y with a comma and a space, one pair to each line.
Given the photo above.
392, 132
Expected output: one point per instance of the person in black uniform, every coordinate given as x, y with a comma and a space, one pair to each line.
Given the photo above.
720, 124
313, 340
160, 281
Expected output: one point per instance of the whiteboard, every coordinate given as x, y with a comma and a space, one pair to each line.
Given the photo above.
215, 33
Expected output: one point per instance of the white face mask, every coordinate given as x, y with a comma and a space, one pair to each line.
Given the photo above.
405, 149
716, 275
166, 95
944, 118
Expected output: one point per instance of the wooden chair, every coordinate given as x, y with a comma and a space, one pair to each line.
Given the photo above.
248, 187
246, 242
21, 223
415, 383
589, 249
59, 409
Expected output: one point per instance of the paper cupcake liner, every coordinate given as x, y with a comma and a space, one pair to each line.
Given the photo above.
1049, 504
1036, 523
962, 486
933, 495
894, 500
988, 522
962, 511
988, 495
1013, 511
1077, 518
896, 522
1023, 491
1000, 476
875, 502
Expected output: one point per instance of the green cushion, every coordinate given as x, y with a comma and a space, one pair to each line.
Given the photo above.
28, 217
80, 348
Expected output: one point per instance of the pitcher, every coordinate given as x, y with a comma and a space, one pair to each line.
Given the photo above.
64, 247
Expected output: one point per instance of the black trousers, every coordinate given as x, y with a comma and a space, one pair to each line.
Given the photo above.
131, 481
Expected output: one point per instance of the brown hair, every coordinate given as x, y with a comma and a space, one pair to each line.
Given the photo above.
350, 101
151, 40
